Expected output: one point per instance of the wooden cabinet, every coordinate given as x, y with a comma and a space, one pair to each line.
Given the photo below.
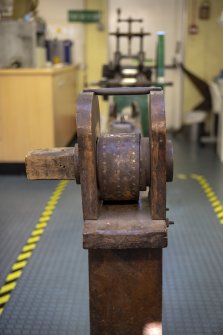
37, 110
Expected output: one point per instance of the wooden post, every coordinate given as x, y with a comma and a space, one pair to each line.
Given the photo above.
125, 269
125, 291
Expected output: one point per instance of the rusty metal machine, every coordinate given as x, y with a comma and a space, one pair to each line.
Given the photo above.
116, 73
131, 68
125, 226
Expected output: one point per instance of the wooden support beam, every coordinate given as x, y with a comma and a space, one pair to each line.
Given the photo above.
125, 291
125, 227
56, 163
157, 192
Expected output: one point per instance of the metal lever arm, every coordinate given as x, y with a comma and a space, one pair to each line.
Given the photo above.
122, 90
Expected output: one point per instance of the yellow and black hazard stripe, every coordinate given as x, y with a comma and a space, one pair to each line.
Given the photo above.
209, 192
29, 247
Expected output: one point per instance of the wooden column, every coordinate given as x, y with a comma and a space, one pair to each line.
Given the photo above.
125, 269
125, 291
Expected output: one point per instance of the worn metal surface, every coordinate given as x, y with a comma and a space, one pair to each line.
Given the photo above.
118, 166
63, 163
144, 163
123, 90
123, 165
125, 291
115, 166
118, 160
121, 126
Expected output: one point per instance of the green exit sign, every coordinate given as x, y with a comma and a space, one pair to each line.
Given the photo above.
84, 16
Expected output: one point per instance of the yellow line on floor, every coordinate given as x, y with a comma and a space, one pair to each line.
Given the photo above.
37, 232
209, 192
8, 287
29, 247
5, 298
33, 239
23, 256
13, 276
41, 225
19, 265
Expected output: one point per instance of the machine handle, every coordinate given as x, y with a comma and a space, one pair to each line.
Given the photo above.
122, 90
56, 163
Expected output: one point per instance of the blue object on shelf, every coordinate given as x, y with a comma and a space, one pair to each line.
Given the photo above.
67, 46
48, 50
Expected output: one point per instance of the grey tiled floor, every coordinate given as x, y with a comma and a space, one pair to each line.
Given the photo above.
51, 297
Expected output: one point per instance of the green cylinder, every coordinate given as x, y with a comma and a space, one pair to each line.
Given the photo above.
160, 57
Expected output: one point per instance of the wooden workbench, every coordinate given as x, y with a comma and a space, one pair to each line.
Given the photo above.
37, 110
220, 124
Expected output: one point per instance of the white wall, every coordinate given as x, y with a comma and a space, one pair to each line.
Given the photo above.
158, 15
55, 13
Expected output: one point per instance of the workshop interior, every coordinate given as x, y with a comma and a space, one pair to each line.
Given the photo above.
111, 167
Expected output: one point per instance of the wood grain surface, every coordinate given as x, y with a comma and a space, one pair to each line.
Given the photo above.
56, 163
125, 291
157, 194
88, 130
125, 226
